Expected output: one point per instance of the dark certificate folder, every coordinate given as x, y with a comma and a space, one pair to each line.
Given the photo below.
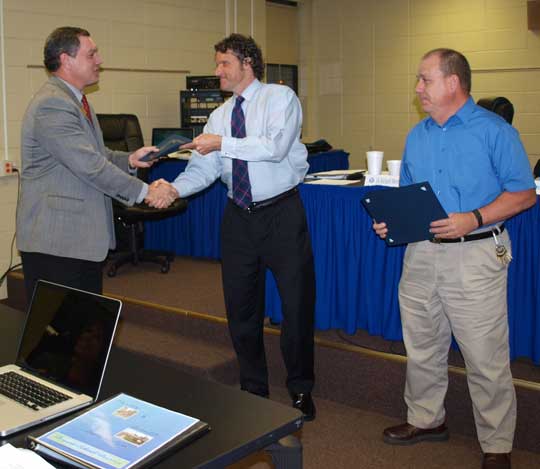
407, 212
169, 145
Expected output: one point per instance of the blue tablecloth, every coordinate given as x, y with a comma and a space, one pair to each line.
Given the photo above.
357, 275
195, 232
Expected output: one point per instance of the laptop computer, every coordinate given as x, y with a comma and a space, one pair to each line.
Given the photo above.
62, 356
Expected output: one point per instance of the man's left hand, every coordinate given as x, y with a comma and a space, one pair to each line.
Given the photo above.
134, 158
204, 144
455, 226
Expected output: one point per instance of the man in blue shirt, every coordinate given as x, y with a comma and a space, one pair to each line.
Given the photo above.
253, 143
456, 284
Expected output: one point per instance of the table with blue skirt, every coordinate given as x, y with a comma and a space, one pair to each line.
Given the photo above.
357, 275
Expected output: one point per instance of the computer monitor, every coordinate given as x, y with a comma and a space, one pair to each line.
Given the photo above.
161, 133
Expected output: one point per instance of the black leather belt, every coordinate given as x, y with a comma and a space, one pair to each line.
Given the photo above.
472, 237
254, 206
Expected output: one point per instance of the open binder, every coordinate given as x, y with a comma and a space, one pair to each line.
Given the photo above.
121, 433
407, 212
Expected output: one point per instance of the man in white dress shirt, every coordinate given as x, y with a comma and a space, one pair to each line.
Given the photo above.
253, 143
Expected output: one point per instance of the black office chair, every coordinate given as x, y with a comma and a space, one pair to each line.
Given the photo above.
123, 132
500, 105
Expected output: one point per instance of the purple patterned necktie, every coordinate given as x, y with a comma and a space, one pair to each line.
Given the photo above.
240, 174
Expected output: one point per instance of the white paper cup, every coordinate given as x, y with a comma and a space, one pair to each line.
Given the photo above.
374, 162
394, 167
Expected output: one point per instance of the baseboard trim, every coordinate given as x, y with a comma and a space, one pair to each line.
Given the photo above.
521, 383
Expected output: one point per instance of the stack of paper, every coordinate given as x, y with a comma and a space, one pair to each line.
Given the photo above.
18, 458
338, 174
336, 177
331, 182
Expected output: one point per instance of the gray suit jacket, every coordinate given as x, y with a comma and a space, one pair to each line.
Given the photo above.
68, 178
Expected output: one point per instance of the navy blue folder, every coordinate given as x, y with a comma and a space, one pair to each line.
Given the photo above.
169, 145
407, 212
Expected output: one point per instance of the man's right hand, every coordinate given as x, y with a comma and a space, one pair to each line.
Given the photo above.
204, 144
380, 229
161, 194
135, 157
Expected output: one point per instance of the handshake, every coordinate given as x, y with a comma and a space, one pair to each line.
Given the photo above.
161, 194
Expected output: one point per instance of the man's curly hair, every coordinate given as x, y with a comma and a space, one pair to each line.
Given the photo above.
243, 47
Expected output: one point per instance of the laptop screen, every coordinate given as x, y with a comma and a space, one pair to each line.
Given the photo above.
68, 335
160, 134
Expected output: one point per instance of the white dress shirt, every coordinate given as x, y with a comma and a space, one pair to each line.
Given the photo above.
277, 160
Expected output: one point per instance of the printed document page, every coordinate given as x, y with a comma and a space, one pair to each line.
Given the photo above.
19, 458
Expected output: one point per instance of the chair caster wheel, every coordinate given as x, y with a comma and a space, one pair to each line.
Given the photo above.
165, 268
111, 272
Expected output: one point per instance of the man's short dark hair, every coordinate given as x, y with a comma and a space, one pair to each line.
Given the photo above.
453, 63
62, 40
243, 47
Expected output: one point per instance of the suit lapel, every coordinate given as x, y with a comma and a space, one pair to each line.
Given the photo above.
91, 128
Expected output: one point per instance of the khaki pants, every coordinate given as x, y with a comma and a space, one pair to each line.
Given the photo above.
458, 288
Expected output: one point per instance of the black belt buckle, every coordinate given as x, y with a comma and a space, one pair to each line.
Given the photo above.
254, 206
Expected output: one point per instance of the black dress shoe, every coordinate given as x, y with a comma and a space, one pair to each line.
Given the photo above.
407, 434
304, 403
496, 461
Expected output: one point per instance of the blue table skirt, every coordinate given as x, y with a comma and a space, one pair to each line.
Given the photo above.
357, 275
195, 232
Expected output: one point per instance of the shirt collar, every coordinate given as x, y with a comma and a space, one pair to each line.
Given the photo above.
250, 91
463, 114
76, 91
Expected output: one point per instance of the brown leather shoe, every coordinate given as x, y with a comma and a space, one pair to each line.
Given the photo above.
407, 434
496, 461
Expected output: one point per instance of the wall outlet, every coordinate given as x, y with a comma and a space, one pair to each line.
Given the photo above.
7, 168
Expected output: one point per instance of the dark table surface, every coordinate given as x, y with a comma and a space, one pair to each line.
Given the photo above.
241, 423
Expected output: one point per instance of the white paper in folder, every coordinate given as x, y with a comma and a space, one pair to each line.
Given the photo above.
18, 458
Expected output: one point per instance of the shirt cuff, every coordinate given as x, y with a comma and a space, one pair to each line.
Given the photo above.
228, 146
143, 193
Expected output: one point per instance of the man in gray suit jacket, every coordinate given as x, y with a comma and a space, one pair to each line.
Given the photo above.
64, 219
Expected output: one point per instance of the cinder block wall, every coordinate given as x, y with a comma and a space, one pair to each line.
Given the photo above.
358, 61
176, 36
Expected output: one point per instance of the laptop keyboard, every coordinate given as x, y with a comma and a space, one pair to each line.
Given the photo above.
28, 392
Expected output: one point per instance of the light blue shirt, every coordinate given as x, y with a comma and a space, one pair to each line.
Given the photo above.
76, 91
469, 160
277, 160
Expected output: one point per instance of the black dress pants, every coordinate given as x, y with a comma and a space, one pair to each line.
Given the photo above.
275, 237
76, 273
